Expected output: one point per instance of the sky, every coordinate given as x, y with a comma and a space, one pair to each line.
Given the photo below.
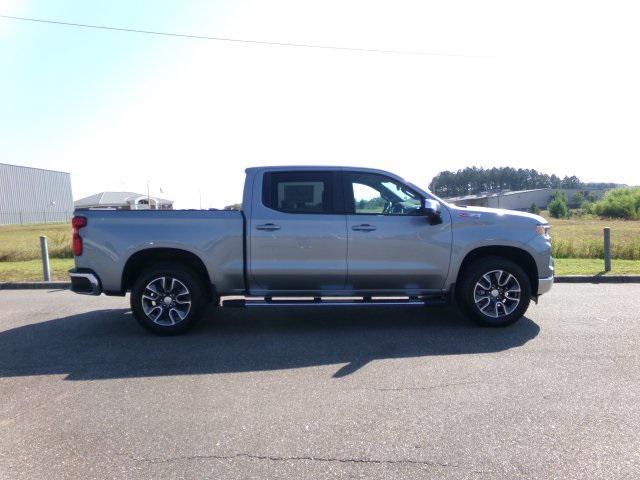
550, 85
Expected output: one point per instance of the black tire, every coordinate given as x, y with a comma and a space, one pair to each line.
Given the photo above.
176, 317
499, 303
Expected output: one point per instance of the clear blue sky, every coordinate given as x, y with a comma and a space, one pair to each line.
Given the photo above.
551, 86
56, 79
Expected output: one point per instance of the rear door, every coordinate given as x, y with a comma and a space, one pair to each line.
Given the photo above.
392, 246
297, 235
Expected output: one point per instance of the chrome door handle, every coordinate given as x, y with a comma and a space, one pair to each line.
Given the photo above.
269, 227
365, 227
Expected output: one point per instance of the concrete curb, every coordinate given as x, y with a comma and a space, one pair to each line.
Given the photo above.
561, 279
34, 285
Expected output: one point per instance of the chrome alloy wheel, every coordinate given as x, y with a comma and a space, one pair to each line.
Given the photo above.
497, 293
166, 301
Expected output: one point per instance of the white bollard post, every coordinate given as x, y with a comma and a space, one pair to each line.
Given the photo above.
44, 251
607, 249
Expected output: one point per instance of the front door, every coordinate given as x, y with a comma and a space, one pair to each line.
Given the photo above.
297, 241
392, 246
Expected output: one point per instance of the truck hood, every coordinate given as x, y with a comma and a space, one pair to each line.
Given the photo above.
496, 214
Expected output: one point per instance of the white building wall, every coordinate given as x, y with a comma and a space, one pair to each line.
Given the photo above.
523, 200
33, 195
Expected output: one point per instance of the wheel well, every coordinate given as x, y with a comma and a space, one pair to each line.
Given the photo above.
140, 260
516, 255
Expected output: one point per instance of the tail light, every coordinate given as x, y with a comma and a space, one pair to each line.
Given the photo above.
77, 223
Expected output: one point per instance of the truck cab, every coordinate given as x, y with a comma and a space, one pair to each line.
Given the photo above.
343, 231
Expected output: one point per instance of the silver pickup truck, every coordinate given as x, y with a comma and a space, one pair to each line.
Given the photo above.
315, 236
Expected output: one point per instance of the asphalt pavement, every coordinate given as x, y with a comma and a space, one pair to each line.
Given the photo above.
305, 393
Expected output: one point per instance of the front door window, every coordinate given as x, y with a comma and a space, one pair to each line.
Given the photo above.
380, 195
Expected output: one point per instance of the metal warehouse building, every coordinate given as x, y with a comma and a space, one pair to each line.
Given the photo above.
522, 199
34, 195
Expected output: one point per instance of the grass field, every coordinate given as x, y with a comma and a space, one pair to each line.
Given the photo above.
583, 238
595, 266
31, 270
22, 242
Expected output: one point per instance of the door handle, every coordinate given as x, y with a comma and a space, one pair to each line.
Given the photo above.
365, 227
269, 227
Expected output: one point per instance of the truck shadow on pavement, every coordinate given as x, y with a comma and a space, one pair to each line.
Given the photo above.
108, 344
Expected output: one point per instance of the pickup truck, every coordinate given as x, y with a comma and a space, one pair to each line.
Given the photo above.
315, 236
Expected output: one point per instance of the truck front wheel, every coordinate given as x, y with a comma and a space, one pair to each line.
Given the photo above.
494, 291
167, 298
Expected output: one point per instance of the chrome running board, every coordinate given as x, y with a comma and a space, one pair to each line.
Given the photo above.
335, 302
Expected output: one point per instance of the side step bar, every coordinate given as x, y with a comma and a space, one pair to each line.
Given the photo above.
439, 300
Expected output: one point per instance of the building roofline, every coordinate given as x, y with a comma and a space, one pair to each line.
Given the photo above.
129, 196
34, 168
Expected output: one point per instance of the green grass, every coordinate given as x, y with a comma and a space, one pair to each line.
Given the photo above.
582, 237
31, 270
595, 266
22, 242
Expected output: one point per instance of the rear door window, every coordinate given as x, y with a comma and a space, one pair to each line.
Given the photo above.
298, 192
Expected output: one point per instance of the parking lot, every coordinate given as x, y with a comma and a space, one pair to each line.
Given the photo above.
324, 393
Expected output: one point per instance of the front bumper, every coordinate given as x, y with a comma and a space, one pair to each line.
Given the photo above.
544, 285
85, 282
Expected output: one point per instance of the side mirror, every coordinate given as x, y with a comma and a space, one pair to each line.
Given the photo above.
431, 210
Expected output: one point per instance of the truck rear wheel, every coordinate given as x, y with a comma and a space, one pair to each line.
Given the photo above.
494, 291
167, 298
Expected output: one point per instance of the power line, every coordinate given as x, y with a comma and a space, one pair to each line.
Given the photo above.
240, 40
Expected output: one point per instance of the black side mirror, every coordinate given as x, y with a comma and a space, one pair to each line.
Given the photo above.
431, 210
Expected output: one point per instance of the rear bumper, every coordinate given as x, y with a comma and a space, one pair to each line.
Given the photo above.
85, 282
544, 285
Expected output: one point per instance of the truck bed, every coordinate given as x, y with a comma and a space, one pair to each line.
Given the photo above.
112, 237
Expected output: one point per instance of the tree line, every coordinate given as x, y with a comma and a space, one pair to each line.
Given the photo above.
474, 180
